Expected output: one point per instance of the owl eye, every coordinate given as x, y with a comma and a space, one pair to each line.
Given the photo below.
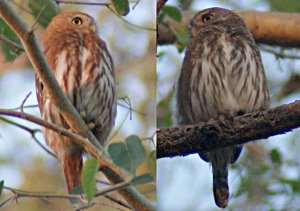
207, 17
76, 21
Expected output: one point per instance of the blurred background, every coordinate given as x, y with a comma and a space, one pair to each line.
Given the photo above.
132, 42
267, 174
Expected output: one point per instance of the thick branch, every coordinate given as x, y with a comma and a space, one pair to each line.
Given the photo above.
62, 102
274, 28
215, 134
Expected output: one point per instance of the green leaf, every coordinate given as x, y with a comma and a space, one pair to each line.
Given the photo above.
160, 54
165, 111
89, 172
44, 10
152, 163
120, 155
136, 150
128, 154
279, 5
183, 37
172, 12
121, 6
1, 186
275, 156
145, 178
10, 52
293, 183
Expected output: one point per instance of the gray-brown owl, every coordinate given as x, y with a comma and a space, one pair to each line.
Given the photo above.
222, 75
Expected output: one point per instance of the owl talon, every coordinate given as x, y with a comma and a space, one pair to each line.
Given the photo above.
91, 125
82, 114
226, 120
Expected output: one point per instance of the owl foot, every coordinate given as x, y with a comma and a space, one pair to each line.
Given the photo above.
82, 114
91, 125
226, 120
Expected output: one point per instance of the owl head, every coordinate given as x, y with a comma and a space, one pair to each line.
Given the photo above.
70, 21
215, 18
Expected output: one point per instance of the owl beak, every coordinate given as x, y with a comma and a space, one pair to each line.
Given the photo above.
94, 28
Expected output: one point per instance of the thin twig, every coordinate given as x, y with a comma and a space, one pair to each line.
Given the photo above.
32, 28
128, 102
11, 43
129, 23
117, 201
151, 139
28, 106
26, 10
22, 194
103, 182
132, 109
112, 188
104, 191
24, 101
62, 131
6, 201
87, 3
117, 130
279, 54
137, 2
31, 131
83, 2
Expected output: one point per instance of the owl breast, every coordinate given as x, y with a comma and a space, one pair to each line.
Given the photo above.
225, 71
90, 85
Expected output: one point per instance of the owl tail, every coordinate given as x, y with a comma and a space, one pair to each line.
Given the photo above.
219, 161
72, 166
221, 190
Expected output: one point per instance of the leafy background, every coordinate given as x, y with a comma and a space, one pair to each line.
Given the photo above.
24, 165
267, 175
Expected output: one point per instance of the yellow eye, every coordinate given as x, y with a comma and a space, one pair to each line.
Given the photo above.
207, 17
76, 21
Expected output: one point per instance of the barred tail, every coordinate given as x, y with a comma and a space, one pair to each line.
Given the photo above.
221, 191
72, 166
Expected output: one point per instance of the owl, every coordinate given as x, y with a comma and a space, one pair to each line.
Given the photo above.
83, 67
222, 76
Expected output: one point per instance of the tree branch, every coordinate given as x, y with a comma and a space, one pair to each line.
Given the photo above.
181, 141
273, 28
131, 195
159, 5
31, 131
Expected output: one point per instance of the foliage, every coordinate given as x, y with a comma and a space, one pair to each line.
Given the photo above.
266, 177
121, 6
89, 173
1, 187
10, 52
145, 178
36, 15
43, 10
128, 154
285, 6
172, 12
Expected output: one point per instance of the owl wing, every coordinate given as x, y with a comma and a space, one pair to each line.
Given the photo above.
39, 93
248, 80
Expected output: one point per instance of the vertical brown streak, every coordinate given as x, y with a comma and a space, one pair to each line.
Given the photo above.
106, 62
244, 84
257, 92
215, 79
96, 91
77, 75
66, 74
203, 95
